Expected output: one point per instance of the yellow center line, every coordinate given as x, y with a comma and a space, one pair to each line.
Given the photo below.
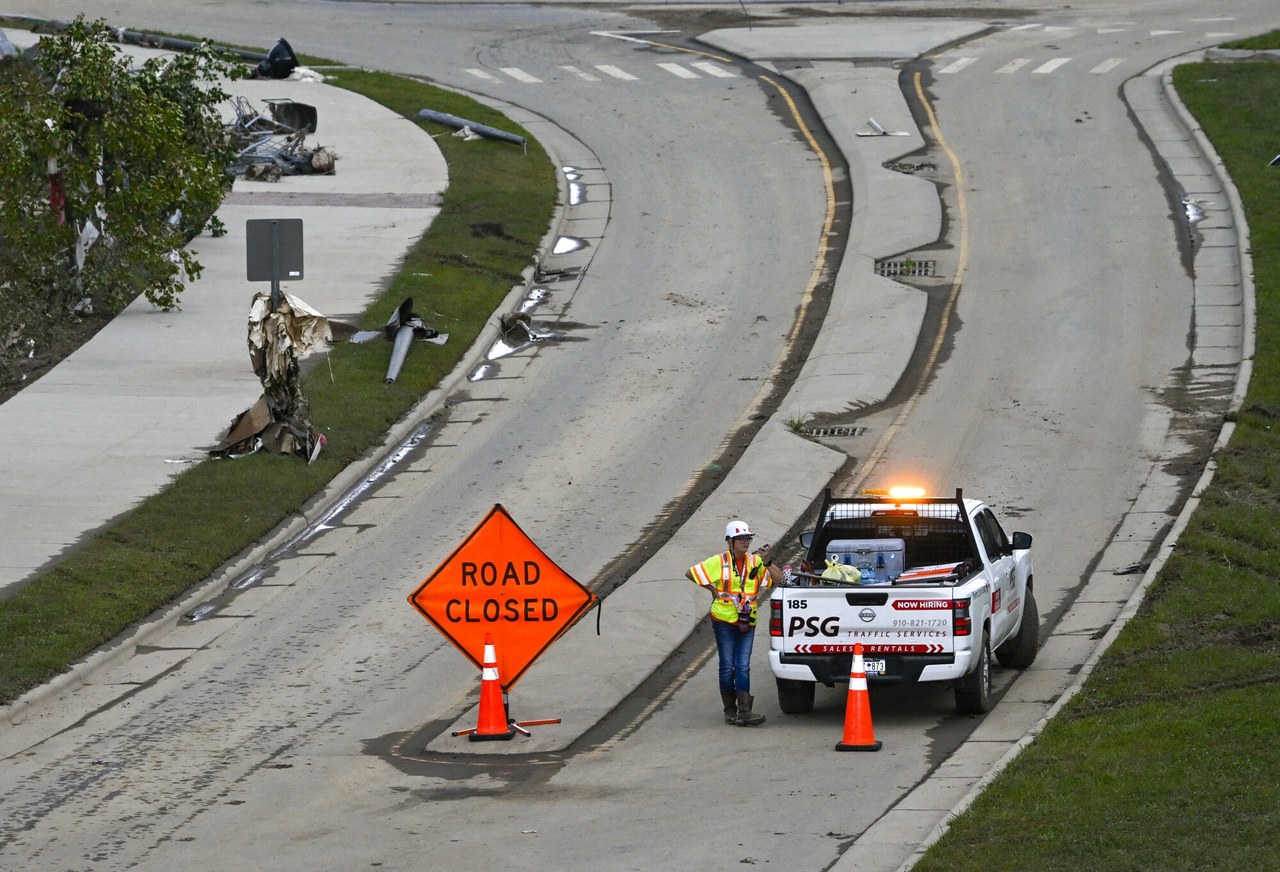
962, 214
820, 262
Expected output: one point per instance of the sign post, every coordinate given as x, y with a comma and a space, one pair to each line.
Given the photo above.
498, 587
273, 251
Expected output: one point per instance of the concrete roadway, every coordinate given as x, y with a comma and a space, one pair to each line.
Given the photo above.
609, 801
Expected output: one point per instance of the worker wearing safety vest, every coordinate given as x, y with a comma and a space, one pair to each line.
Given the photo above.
736, 578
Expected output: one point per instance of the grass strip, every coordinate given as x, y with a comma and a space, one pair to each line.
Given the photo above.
1166, 759
496, 210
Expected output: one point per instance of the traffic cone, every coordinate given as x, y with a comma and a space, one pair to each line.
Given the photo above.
493, 723
858, 734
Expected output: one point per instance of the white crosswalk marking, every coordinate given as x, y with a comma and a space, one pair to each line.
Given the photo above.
1044, 68
581, 74
692, 70
679, 71
481, 74
1014, 65
956, 65
1049, 66
714, 70
520, 75
611, 70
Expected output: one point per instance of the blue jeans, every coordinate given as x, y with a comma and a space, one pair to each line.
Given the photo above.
735, 656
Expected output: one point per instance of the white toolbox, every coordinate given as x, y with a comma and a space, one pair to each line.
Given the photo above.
879, 560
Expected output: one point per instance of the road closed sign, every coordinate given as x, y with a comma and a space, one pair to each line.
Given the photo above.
499, 583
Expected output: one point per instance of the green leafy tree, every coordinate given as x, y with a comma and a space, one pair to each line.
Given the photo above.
32, 246
140, 160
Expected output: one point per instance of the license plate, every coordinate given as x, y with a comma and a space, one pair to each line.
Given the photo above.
873, 667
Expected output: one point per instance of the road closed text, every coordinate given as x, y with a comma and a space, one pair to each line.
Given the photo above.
460, 611
514, 608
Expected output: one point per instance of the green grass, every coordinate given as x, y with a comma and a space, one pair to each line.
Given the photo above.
1167, 758
496, 210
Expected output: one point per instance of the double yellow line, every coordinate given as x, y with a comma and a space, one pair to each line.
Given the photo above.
820, 264
962, 208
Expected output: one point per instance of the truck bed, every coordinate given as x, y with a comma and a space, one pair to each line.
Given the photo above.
929, 533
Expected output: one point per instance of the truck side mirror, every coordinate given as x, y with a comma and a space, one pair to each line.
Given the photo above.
1021, 541
806, 539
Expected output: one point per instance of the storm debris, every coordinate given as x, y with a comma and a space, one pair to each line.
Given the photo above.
273, 144
402, 328
279, 422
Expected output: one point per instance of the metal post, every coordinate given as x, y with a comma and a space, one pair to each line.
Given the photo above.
399, 351
275, 265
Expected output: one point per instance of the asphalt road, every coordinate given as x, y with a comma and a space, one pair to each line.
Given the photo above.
1058, 389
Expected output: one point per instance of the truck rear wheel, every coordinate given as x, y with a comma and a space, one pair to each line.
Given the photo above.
973, 691
1019, 651
795, 697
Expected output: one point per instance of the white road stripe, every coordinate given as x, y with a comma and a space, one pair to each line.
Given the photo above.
482, 74
622, 34
1107, 66
520, 75
1014, 65
1050, 66
679, 71
581, 74
714, 69
957, 65
611, 70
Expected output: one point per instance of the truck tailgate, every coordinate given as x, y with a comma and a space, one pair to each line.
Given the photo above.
884, 621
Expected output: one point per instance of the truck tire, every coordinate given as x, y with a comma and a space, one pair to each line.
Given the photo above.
795, 697
1020, 650
973, 691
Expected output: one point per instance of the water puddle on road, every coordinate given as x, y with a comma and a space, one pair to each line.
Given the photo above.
519, 331
568, 245
1194, 210
577, 190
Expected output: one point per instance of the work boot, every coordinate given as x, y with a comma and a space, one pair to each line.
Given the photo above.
730, 706
746, 718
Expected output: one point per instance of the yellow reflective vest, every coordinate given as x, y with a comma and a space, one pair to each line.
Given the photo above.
732, 590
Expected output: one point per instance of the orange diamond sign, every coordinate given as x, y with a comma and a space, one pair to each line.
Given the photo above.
499, 583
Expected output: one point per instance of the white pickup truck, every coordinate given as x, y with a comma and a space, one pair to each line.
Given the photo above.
931, 588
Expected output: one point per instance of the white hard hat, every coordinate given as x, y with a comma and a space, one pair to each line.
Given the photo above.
734, 529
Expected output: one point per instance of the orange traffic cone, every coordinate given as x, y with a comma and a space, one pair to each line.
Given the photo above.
493, 722
858, 734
